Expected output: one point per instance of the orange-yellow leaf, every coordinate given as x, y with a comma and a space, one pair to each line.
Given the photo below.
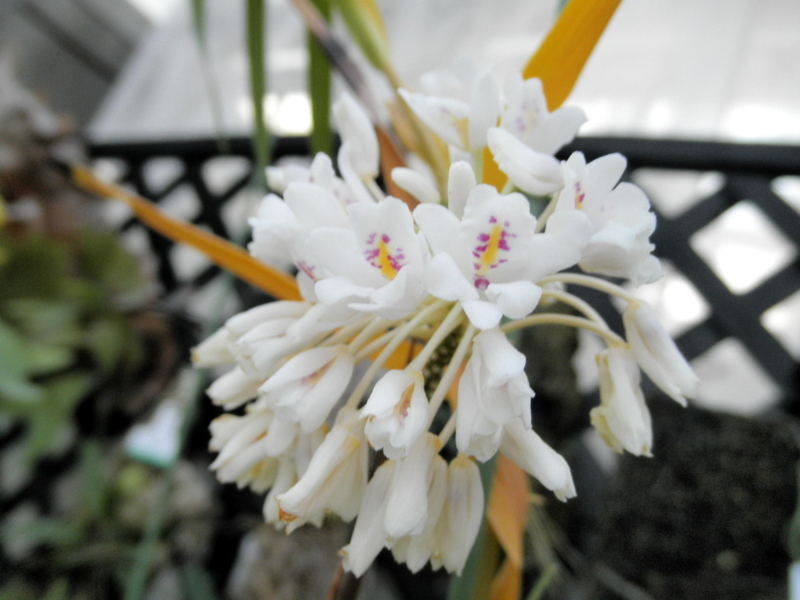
221, 252
390, 159
560, 59
507, 583
507, 514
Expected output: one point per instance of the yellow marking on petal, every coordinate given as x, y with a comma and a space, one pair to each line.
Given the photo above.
489, 255
220, 251
385, 261
560, 59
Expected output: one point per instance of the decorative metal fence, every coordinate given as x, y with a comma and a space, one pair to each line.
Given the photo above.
748, 172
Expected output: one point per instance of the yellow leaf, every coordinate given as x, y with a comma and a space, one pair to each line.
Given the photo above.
560, 59
507, 514
221, 252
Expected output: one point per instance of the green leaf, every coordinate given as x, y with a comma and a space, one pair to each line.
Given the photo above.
36, 268
58, 590
107, 339
49, 531
94, 492
319, 88
199, 20
52, 322
14, 368
197, 583
256, 32
364, 22
103, 259
44, 359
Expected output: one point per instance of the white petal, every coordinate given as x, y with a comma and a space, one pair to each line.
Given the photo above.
484, 108
482, 314
462, 516
447, 117
407, 502
446, 281
301, 366
233, 389
517, 299
368, 537
531, 171
533, 455
557, 129
460, 183
416, 184
356, 129
657, 354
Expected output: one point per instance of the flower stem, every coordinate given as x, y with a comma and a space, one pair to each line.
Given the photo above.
576, 303
592, 282
451, 321
376, 326
450, 374
448, 430
373, 188
541, 220
400, 334
611, 338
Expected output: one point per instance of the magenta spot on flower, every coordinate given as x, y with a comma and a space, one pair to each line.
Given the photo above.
483, 237
492, 220
385, 239
371, 238
481, 283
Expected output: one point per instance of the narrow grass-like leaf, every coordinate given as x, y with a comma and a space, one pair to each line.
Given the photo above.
544, 581
212, 87
256, 30
319, 88
222, 252
365, 24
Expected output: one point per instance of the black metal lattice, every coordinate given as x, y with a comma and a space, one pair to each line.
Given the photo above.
748, 172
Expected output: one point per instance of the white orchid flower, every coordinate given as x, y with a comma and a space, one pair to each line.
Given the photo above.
657, 354
490, 259
461, 516
356, 130
368, 537
459, 109
493, 391
307, 387
407, 498
532, 454
619, 214
396, 412
334, 480
377, 265
622, 419
416, 550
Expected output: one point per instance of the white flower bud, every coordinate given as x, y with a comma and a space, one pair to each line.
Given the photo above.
622, 419
657, 354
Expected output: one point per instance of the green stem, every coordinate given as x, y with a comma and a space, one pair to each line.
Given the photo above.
319, 87
256, 28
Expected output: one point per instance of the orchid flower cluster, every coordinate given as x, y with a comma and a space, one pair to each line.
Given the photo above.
454, 276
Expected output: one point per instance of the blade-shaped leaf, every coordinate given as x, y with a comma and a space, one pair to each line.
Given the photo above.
560, 59
256, 30
223, 253
507, 513
319, 88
